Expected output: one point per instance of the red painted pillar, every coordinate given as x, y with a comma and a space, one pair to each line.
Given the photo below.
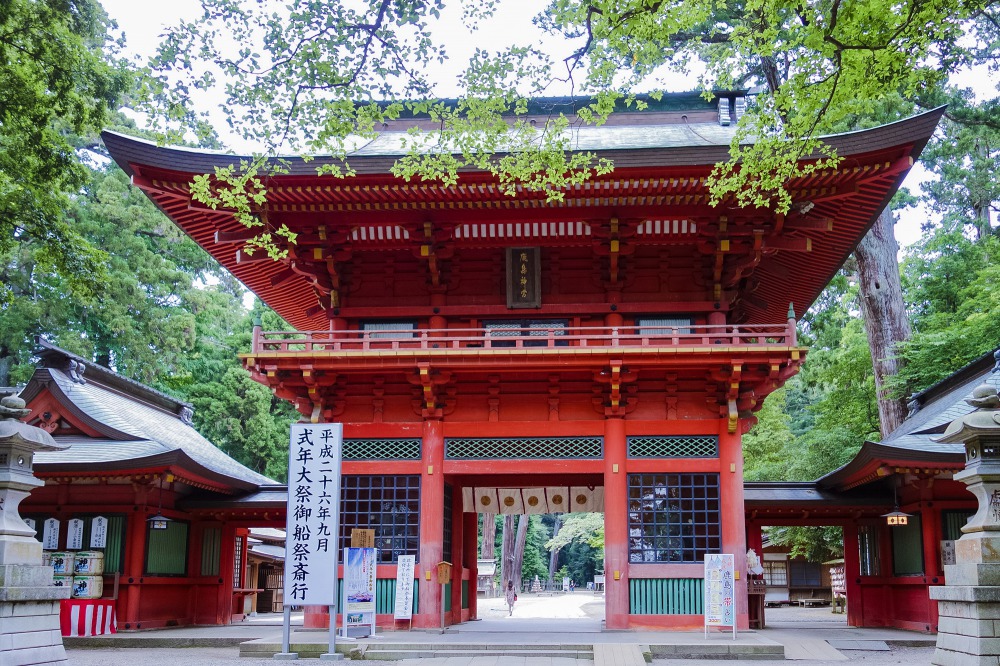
431, 524
616, 597
733, 516
227, 569
457, 553
470, 553
852, 576
930, 527
135, 559
755, 537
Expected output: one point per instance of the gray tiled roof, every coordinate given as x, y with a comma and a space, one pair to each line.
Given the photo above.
941, 407
622, 137
133, 429
268, 551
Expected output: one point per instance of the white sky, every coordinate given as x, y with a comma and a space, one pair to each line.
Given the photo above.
143, 23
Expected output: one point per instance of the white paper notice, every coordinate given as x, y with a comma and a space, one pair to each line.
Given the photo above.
313, 514
74, 534
98, 532
50, 534
405, 565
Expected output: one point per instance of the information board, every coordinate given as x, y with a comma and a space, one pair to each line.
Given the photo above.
720, 592
405, 565
359, 591
313, 523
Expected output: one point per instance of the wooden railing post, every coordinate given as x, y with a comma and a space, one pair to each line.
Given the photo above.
257, 326
791, 335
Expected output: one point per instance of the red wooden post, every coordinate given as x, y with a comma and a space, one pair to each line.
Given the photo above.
431, 523
616, 597
457, 553
732, 518
470, 553
135, 558
852, 575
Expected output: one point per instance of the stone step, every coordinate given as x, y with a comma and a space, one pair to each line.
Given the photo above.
267, 649
396, 655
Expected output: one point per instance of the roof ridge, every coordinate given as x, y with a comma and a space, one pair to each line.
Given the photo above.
80, 369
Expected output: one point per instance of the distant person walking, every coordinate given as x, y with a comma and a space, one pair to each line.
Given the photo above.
511, 596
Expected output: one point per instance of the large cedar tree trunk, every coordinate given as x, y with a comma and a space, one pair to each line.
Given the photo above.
554, 555
884, 312
519, 541
507, 552
512, 550
487, 550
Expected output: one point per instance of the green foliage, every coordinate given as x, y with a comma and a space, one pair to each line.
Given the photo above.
59, 82
155, 320
321, 79
952, 281
536, 558
815, 544
587, 528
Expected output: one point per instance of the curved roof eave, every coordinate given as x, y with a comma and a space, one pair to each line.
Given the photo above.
127, 150
173, 458
872, 453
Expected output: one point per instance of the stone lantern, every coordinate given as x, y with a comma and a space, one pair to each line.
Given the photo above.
969, 604
29, 603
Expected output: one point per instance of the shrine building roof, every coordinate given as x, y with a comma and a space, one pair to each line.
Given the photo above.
914, 443
127, 425
657, 190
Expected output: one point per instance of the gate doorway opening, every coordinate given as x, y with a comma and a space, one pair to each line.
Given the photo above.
546, 543
804, 577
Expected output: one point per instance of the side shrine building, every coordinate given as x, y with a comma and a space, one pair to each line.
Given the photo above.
135, 465
498, 354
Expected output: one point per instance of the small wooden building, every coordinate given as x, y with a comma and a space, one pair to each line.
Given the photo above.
889, 568
134, 455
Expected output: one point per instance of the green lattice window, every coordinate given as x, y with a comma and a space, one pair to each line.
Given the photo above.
525, 447
382, 449
686, 446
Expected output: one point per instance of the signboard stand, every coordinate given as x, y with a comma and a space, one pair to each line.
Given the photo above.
359, 592
405, 564
720, 592
314, 454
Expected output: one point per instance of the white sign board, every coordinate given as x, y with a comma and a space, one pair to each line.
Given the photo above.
313, 523
50, 534
405, 565
98, 532
720, 592
74, 534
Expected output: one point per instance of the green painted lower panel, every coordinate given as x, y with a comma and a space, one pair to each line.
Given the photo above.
385, 595
447, 597
465, 594
666, 596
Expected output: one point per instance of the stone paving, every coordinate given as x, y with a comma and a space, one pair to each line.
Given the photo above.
803, 632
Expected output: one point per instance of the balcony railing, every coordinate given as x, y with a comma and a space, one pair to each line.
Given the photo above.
471, 339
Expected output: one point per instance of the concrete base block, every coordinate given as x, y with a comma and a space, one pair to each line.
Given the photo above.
331, 656
287, 656
29, 633
944, 657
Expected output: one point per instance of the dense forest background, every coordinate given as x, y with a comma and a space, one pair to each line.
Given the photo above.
89, 264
